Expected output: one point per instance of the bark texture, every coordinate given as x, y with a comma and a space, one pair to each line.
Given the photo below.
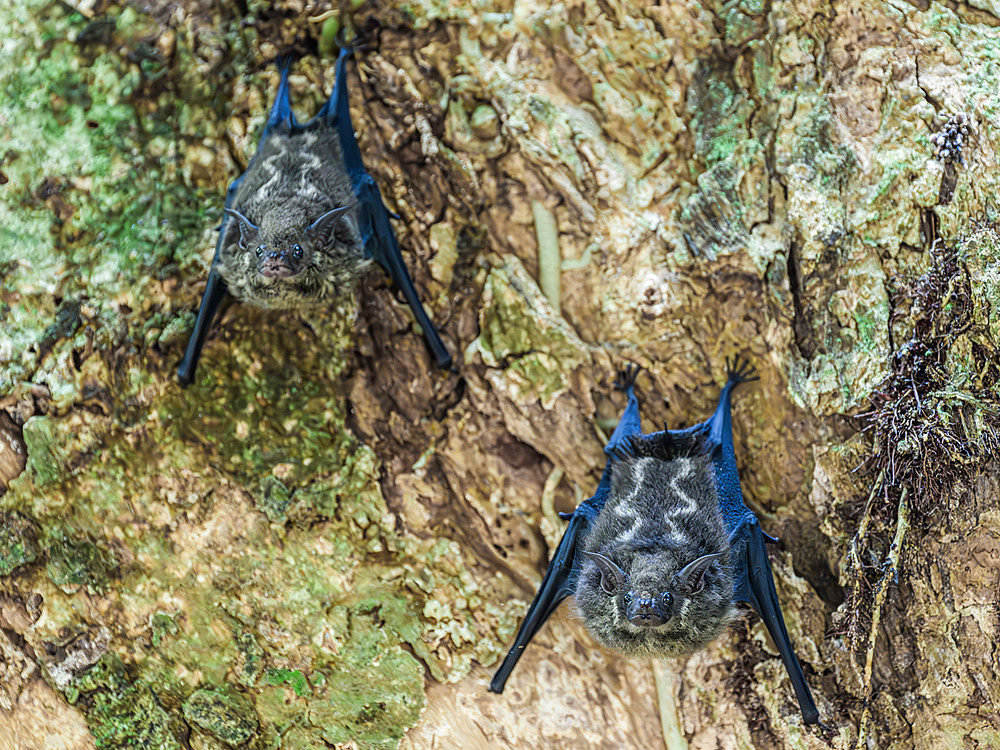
327, 542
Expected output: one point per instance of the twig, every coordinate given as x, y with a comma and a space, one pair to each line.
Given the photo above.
890, 569
665, 678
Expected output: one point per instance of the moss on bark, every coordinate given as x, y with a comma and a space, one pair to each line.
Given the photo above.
338, 540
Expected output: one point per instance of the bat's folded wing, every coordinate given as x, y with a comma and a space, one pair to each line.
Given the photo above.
556, 586
754, 584
372, 216
281, 117
211, 299
559, 582
560, 577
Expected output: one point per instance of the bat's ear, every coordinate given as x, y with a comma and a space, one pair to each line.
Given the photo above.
691, 578
612, 577
320, 231
249, 232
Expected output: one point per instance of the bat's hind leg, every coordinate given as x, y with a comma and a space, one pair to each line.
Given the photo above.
720, 425
282, 107
630, 423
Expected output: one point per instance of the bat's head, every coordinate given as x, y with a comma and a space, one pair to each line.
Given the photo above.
655, 575
287, 260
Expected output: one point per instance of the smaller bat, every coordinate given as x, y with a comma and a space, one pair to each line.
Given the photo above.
657, 557
303, 222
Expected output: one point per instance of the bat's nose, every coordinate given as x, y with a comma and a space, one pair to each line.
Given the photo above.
645, 612
277, 264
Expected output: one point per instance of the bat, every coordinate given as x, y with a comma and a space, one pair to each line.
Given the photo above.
657, 557
303, 222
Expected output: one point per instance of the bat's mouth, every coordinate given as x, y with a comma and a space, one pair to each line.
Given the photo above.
278, 269
281, 264
646, 612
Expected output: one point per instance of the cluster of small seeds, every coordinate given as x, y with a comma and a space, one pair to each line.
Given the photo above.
950, 139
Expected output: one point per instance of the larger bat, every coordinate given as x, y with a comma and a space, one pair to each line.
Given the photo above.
657, 557
303, 221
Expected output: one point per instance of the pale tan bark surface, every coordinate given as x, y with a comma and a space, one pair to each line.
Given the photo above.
327, 542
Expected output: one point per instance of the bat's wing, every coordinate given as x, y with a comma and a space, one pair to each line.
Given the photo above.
560, 577
215, 289
372, 215
754, 582
755, 585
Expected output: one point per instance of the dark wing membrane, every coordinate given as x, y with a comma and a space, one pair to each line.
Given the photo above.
558, 583
753, 581
372, 215
755, 585
280, 117
560, 577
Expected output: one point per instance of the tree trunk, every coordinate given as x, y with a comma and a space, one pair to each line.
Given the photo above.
326, 541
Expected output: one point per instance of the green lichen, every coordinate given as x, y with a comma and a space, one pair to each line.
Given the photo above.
815, 147
518, 326
87, 210
18, 542
249, 664
121, 712
379, 692
269, 405
224, 714
273, 498
53, 452
291, 677
163, 626
980, 252
719, 114
75, 562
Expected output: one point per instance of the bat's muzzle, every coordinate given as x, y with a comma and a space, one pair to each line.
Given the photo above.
646, 612
279, 265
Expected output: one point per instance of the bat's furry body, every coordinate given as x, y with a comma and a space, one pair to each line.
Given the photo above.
660, 516
297, 178
303, 222
623, 551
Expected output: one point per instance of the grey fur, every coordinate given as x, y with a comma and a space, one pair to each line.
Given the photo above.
291, 182
660, 516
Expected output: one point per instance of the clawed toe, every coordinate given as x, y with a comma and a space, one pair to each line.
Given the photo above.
741, 370
626, 376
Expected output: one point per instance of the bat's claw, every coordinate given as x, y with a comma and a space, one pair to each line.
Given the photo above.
740, 370
353, 45
566, 516
626, 376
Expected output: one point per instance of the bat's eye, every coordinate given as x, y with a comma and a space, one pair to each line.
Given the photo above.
260, 250
297, 252
627, 599
667, 598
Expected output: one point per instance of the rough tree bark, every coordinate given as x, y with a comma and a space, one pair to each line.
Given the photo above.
327, 542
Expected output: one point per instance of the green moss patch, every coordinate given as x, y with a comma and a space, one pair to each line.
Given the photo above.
225, 714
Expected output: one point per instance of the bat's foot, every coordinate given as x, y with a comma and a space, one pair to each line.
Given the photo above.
355, 44
626, 377
284, 63
740, 370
